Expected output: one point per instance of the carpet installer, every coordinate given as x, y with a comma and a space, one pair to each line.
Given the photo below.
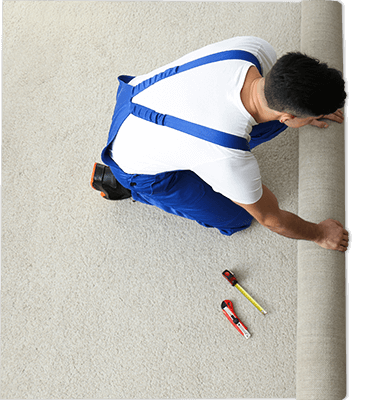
181, 136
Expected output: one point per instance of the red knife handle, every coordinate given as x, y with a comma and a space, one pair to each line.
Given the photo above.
233, 317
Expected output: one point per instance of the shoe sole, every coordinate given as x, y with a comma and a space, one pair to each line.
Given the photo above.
97, 183
97, 178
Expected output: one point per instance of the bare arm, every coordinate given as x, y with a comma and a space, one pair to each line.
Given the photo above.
328, 234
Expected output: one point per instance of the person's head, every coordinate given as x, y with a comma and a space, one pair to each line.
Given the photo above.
304, 87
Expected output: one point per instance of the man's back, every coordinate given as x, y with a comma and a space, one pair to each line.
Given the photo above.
208, 95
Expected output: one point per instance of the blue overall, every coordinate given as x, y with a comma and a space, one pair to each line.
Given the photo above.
183, 192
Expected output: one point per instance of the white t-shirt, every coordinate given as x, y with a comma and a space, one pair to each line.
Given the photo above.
208, 95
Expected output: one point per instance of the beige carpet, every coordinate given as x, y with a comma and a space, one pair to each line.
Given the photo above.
120, 300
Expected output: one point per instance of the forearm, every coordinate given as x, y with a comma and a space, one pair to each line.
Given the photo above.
329, 234
290, 225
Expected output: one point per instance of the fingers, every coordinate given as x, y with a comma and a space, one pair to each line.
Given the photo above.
337, 116
343, 246
333, 236
344, 241
319, 124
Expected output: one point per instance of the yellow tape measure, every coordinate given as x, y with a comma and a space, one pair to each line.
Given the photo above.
241, 290
231, 278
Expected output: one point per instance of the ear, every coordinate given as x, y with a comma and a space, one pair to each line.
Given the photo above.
285, 117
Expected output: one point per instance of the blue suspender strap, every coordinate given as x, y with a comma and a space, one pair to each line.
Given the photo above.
199, 131
125, 106
210, 135
222, 56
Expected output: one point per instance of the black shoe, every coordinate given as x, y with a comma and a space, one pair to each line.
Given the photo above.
104, 181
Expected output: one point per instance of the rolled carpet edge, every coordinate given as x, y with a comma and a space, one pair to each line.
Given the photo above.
321, 321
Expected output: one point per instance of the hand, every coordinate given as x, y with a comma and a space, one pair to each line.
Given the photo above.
332, 236
337, 116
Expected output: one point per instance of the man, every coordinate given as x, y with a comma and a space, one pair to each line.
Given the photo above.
181, 136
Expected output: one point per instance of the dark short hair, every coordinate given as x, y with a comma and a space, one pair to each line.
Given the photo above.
304, 86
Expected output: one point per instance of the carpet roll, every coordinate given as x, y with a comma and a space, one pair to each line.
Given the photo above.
321, 339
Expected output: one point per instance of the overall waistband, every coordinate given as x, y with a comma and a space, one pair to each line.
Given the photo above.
148, 184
